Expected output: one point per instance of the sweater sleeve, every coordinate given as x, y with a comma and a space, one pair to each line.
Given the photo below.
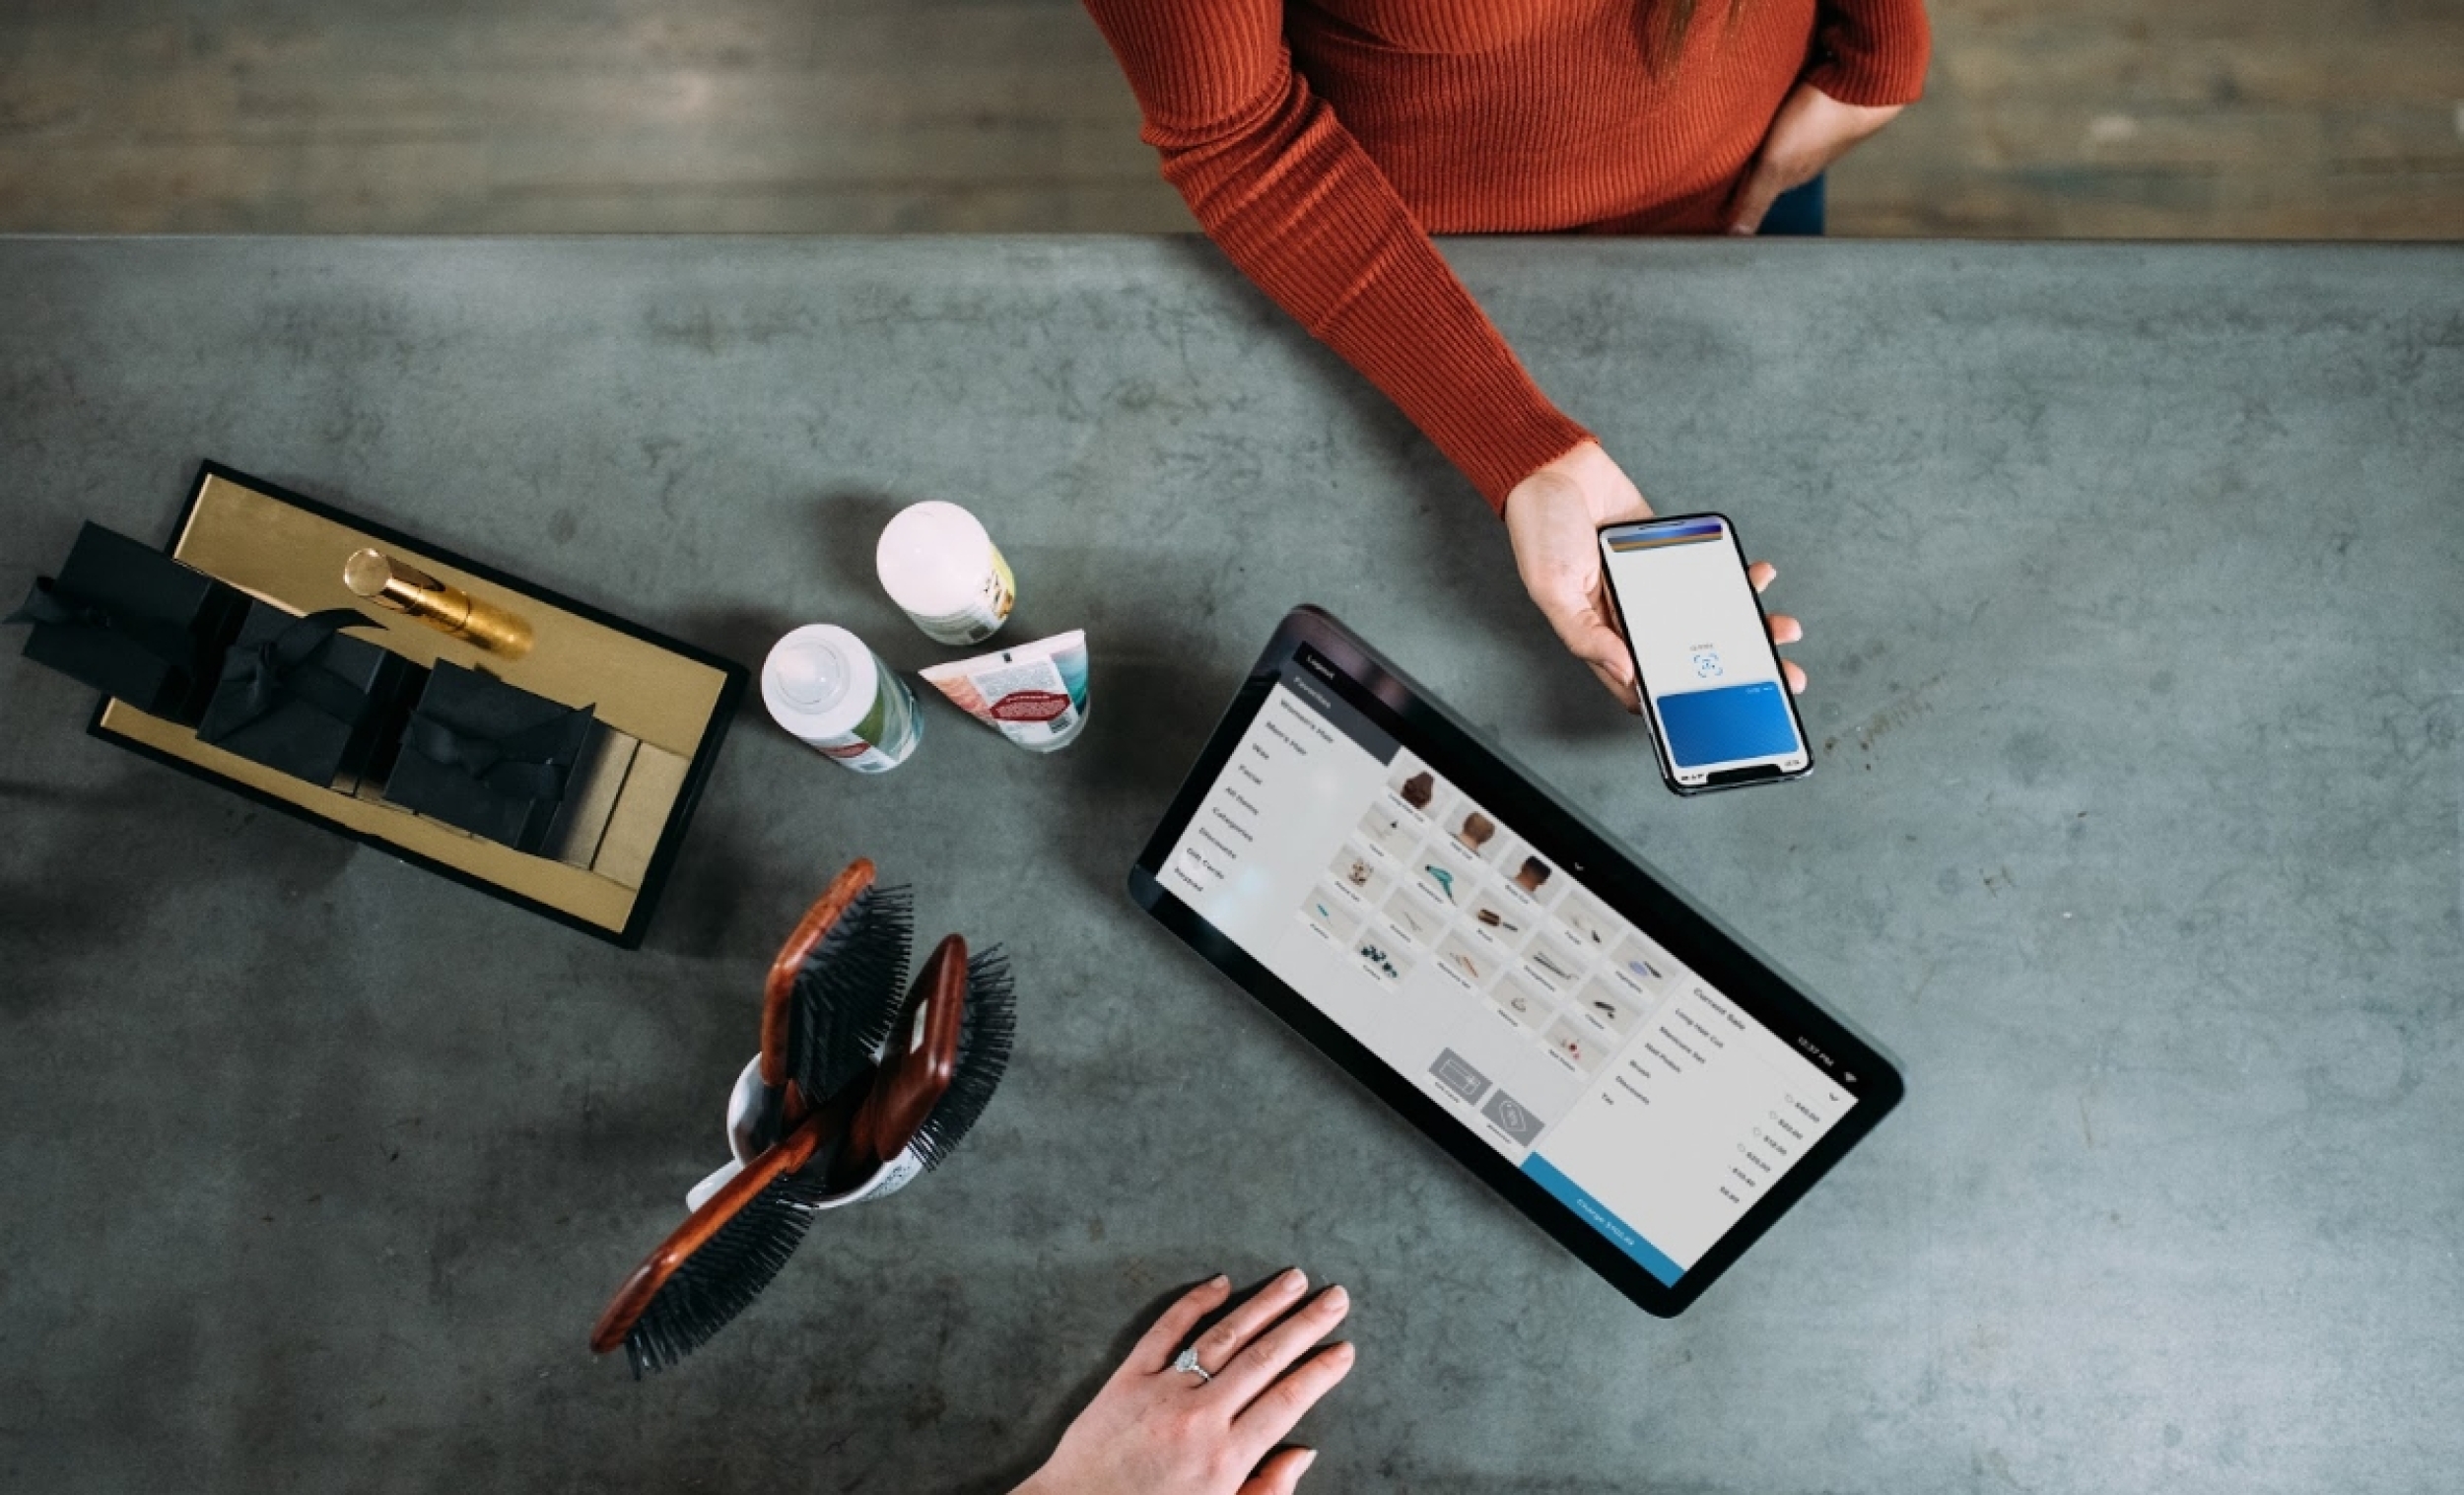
1299, 207
1871, 52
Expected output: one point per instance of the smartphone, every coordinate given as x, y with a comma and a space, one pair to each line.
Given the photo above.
1720, 712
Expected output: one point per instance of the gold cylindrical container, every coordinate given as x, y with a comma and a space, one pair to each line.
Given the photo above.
405, 589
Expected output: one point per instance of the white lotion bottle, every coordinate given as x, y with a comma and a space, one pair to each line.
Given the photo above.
943, 570
835, 696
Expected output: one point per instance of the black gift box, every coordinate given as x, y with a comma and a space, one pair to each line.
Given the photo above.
490, 758
134, 624
299, 695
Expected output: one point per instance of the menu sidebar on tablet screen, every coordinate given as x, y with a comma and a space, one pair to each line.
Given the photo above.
1652, 1104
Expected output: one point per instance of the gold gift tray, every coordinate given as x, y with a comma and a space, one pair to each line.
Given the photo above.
665, 703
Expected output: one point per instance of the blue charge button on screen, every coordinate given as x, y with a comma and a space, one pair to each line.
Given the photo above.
1726, 724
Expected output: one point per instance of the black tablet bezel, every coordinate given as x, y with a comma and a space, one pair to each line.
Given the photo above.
1609, 872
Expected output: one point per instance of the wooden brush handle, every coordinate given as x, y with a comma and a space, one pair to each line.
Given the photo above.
794, 1151
916, 1069
778, 994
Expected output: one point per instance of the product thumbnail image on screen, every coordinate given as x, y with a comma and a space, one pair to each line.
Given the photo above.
1467, 958
1714, 685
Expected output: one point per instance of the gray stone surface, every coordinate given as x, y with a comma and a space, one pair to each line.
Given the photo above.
2133, 579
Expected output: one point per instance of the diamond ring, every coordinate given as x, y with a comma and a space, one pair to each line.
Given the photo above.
1186, 1360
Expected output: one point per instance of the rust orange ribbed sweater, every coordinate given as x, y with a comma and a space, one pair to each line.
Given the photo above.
1322, 143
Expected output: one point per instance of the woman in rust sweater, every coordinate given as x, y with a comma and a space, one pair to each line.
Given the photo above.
1322, 141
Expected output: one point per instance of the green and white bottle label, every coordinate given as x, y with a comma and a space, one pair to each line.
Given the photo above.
889, 733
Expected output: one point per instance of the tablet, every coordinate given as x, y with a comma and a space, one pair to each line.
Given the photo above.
1495, 968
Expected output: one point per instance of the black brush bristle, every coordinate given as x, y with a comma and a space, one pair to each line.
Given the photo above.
849, 992
723, 1278
987, 1026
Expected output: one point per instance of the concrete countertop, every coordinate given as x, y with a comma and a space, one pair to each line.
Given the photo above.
2133, 579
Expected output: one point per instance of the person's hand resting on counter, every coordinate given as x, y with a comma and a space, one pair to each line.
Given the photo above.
1552, 518
1206, 1419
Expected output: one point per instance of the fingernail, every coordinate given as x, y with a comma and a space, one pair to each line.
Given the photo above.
1308, 1456
1335, 1297
1292, 1280
1219, 1280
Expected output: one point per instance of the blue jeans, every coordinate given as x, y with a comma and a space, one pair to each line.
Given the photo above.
1796, 212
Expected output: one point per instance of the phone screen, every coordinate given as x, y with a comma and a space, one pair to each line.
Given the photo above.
1710, 679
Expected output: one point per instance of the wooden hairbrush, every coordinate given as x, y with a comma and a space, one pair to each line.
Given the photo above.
924, 1068
946, 1054
713, 1265
830, 999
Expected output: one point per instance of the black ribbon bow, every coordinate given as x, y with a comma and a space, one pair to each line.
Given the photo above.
522, 765
278, 669
50, 605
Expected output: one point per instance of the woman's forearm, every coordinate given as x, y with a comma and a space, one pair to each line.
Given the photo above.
1295, 202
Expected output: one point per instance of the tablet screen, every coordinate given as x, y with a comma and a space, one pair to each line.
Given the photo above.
1468, 956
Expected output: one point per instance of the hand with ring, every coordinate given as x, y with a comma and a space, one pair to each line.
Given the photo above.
1205, 1418
1553, 518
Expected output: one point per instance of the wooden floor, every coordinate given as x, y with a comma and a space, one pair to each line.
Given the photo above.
2159, 118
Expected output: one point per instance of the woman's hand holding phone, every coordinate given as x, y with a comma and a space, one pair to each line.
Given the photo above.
1553, 518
